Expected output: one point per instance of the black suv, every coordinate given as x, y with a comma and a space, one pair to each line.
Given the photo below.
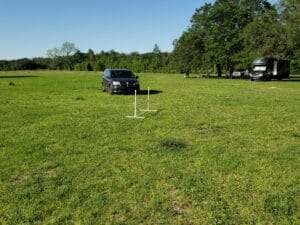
119, 81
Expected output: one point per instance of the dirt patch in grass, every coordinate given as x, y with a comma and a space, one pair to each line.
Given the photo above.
180, 207
207, 128
23, 177
119, 218
178, 204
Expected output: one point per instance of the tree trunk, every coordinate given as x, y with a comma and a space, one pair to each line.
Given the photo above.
219, 70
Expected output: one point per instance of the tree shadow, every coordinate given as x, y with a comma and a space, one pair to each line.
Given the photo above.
152, 92
20, 76
292, 79
205, 76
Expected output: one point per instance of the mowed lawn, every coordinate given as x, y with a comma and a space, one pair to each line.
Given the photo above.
217, 151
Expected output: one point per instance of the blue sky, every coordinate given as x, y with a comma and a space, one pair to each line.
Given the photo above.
28, 28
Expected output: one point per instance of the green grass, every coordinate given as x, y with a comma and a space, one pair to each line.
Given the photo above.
218, 151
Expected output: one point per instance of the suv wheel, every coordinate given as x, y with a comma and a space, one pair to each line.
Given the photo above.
111, 90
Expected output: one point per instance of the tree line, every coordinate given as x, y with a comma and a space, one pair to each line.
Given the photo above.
68, 57
225, 35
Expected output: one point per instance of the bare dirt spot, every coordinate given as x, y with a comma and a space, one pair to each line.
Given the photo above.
19, 179
119, 218
205, 128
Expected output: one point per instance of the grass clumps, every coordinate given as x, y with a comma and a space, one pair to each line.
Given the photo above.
280, 205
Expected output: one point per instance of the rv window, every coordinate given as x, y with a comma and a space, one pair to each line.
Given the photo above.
259, 68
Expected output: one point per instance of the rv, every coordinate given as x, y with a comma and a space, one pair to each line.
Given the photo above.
270, 68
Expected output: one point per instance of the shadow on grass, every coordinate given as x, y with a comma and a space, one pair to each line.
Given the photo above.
291, 79
204, 76
141, 92
21, 76
294, 78
152, 92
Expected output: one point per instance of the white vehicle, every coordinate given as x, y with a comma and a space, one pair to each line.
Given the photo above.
270, 68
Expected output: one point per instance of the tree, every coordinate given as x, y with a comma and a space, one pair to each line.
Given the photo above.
156, 49
54, 55
188, 51
290, 17
266, 36
223, 23
77, 57
91, 56
68, 48
54, 52
214, 36
61, 56
156, 62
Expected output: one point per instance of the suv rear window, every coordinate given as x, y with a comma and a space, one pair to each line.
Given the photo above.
121, 73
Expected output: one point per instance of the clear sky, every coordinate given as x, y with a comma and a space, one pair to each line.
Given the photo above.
28, 28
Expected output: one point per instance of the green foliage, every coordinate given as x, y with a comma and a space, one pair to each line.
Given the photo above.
188, 52
91, 56
61, 57
156, 49
84, 66
22, 64
218, 151
67, 49
268, 33
295, 66
290, 16
233, 33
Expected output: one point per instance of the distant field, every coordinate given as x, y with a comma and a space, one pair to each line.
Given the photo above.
218, 151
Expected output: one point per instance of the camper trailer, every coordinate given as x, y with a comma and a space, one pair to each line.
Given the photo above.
270, 68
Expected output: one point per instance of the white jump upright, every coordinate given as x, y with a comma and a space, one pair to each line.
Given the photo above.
135, 116
148, 104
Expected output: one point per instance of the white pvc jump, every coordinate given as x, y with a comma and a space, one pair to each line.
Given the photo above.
135, 116
144, 110
148, 104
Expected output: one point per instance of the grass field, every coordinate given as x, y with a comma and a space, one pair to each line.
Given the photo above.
218, 151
